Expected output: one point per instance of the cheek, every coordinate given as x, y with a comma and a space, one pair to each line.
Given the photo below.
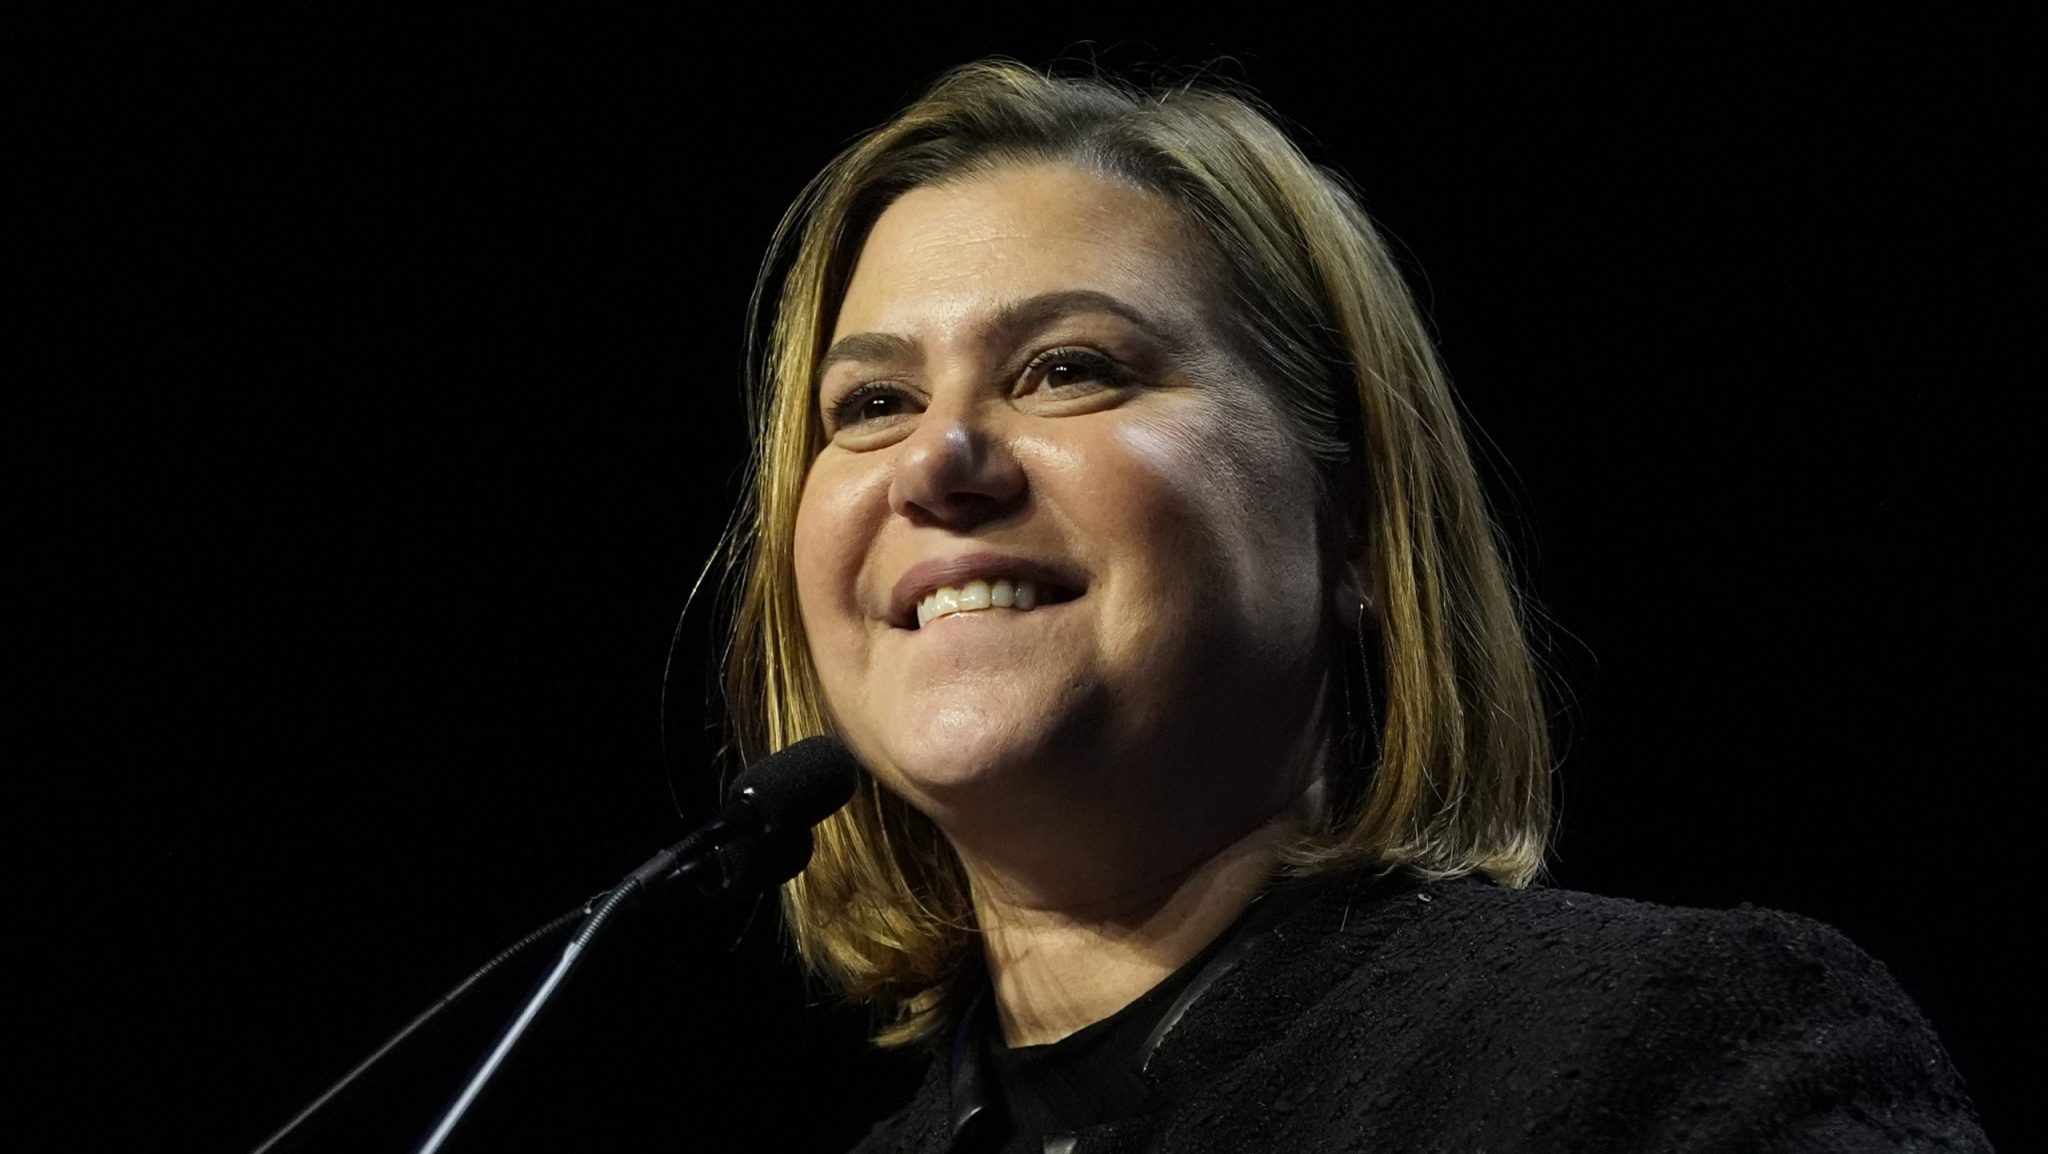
830, 541
1166, 494
1233, 495
1224, 511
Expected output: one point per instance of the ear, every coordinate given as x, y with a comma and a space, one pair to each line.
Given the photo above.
1355, 587
1357, 592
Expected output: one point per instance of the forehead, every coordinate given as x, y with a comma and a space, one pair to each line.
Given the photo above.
945, 254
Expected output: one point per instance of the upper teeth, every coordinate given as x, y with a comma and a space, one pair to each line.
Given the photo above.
1002, 593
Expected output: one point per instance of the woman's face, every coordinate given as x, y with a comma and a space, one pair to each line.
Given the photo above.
1029, 381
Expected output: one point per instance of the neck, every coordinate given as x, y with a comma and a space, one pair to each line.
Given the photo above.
1060, 966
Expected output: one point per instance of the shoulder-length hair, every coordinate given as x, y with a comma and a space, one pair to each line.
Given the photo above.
1451, 776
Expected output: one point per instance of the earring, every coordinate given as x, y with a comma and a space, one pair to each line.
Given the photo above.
1365, 671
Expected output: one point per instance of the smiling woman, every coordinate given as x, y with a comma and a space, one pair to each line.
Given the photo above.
1133, 475
1110, 504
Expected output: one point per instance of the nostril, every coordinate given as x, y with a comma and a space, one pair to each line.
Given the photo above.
959, 510
955, 474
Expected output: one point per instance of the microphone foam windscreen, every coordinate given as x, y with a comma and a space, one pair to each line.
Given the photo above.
803, 784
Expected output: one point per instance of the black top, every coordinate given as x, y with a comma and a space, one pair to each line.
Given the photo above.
1342, 1013
1087, 1078
1096, 1074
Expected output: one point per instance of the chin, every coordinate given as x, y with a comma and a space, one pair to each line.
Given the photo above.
954, 753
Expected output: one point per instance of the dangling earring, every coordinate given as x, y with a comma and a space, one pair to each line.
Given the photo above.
1351, 721
1365, 672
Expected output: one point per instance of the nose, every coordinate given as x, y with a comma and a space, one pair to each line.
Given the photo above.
956, 468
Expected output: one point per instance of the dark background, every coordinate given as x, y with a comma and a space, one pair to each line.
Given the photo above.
378, 395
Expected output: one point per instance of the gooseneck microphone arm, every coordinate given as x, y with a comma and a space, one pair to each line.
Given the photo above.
779, 797
391, 1044
661, 864
762, 838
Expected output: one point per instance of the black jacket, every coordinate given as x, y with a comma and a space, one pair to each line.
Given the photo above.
1462, 1016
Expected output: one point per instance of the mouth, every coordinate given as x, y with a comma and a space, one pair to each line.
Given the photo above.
979, 584
979, 596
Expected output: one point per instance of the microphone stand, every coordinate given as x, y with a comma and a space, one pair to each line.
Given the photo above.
448, 999
762, 838
593, 914
661, 867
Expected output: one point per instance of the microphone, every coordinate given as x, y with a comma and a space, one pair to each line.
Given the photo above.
775, 802
801, 786
755, 863
761, 838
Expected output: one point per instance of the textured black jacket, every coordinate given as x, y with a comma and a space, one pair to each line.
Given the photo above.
1468, 1017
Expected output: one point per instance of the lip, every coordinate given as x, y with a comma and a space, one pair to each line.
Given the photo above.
1062, 581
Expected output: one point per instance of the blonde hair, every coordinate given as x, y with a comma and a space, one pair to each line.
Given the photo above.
1454, 777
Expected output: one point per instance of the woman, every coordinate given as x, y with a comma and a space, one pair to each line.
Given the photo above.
1112, 507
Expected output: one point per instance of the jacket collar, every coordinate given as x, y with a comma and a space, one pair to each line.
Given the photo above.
972, 1093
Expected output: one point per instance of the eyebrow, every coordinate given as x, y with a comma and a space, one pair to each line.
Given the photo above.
1010, 320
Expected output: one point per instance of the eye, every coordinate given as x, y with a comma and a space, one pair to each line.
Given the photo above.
1072, 369
873, 401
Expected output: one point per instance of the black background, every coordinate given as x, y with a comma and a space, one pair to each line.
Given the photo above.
379, 407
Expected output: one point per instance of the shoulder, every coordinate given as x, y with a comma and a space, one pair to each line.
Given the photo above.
1560, 941
1563, 946
1736, 1023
